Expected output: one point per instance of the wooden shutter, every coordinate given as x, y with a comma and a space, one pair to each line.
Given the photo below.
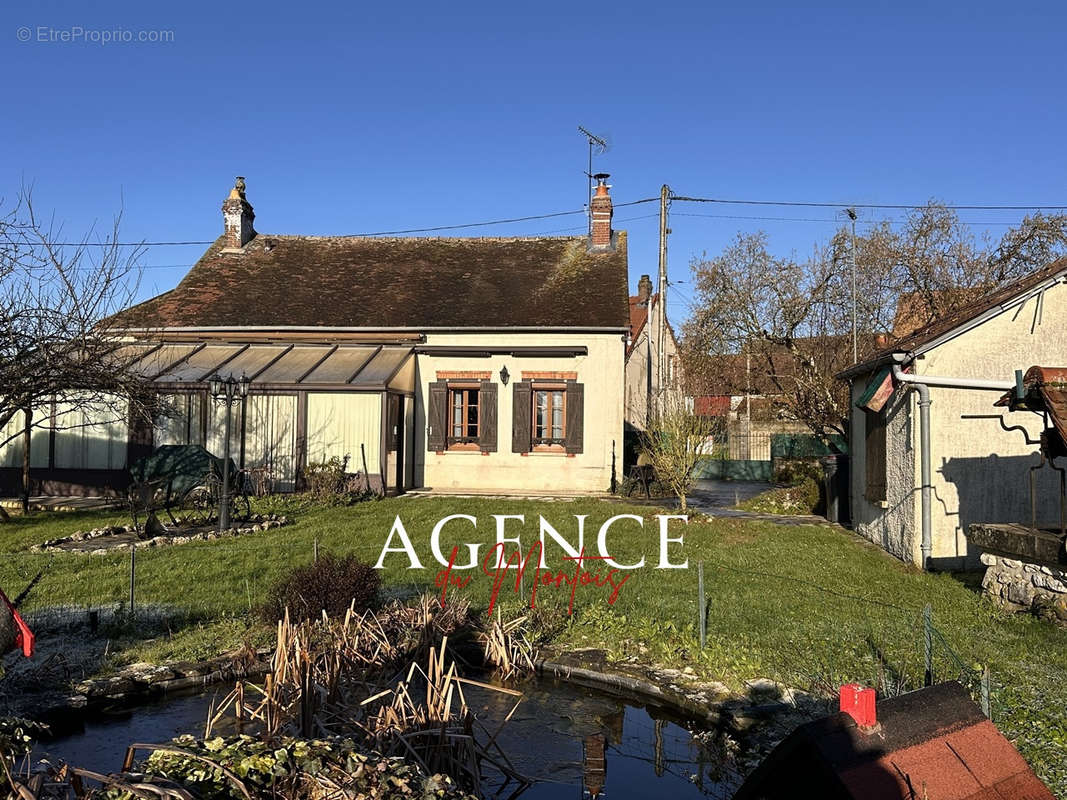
874, 456
487, 417
521, 432
437, 417
575, 417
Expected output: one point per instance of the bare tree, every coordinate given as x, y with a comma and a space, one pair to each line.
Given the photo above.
55, 302
792, 320
675, 440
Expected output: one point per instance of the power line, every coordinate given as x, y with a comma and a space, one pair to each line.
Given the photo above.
541, 233
358, 235
829, 219
862, 205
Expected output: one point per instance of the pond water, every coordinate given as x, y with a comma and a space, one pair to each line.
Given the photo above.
571, 741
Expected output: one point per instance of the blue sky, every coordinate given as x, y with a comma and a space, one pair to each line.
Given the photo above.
347, 118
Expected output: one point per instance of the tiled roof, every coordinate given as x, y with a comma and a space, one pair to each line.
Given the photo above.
1045, 389
929, 334
712, 406
639, 316
931, 743
414, 283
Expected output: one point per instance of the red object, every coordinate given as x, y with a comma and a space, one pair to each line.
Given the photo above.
24, 639
858, 703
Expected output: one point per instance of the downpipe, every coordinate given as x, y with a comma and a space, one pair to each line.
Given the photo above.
922, 384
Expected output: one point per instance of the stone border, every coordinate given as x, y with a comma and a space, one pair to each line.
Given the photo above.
713, 703
259, 522
141, 683
1017, 584
763, 717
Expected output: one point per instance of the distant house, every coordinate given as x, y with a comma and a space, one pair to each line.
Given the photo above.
653, 364
741, 391
475, 364
974, 470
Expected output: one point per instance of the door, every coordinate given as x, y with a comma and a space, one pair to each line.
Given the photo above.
394, 438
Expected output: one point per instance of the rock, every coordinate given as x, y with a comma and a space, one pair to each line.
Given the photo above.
1020, 594
764, 687
1050, 583
988, 559
1011, 563
1059, 608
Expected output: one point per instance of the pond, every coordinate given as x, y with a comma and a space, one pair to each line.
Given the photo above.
571, 741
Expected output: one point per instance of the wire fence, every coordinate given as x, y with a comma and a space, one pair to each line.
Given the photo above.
940, 660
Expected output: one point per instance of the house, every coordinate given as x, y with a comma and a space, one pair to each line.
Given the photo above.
474, 364
930, 743
929, 453
653, 365
743, 391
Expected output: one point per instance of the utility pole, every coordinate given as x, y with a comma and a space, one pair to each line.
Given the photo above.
855, 348
661, 332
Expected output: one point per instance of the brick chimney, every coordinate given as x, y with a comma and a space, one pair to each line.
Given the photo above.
601, 211
644, 290
237, 218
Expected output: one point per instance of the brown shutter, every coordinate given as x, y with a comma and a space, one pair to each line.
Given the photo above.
437, 416
875, 456
487, 417
521, 431
575, 417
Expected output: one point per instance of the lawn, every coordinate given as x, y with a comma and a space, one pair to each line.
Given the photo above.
811, 607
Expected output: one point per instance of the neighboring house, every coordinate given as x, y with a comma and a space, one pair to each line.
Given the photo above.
650, 334
742, 394
978, 472
481, 364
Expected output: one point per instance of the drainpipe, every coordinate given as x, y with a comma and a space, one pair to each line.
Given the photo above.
922, 384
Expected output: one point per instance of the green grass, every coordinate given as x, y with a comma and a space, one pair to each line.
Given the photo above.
809, 606
802, 499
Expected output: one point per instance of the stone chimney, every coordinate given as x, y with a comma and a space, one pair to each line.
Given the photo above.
600, 210
237, 218
644, 290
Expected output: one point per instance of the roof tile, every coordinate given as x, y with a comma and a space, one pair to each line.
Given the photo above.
417, 283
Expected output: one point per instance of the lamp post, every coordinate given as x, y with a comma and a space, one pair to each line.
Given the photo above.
855, 345
229, 392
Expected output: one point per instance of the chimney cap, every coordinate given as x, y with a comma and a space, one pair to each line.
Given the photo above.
601, 177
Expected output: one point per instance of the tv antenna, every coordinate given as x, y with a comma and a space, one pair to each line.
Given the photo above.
601, 146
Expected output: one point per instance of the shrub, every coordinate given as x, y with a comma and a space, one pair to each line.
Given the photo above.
330, 483
330, 584
794, 471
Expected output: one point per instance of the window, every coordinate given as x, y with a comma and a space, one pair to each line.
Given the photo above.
549, 417
875, 456
181, 419
461, 414
463, 410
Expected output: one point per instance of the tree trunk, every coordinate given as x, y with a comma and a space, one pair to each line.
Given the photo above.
27, 436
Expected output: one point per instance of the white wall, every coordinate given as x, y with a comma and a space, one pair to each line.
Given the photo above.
91, 435
601, 373
637, 369
980, 472
338, 423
